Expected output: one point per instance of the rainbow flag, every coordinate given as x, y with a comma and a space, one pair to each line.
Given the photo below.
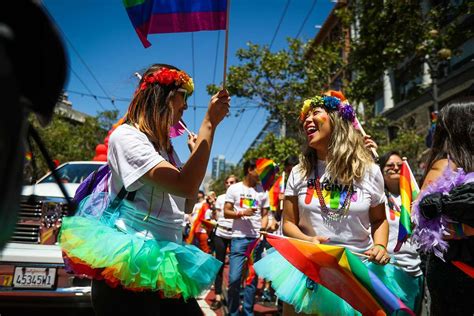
267, 171
408, 192
274, 192
341, 272
197, 222
174, 16
251, 256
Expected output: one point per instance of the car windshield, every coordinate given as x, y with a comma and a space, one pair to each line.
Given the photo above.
72, 173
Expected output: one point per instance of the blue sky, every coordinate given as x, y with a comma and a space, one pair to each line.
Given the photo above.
103, 47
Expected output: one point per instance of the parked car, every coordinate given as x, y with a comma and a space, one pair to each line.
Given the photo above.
31, 265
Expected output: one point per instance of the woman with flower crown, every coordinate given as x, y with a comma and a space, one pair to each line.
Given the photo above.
134, 253
334, 196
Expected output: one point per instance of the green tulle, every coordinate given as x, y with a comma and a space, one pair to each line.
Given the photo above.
294, 288
136, 263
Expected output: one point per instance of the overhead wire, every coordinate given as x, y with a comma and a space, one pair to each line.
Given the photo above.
87, 88
81, 59
279, 23
306, 18
244, 134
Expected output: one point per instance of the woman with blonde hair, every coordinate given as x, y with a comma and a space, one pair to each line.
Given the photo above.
334, 196
134, 253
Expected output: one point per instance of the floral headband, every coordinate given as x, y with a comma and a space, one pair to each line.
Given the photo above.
169, 77
334, 102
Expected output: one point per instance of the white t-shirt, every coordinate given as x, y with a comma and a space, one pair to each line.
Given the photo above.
130, 156
407, 257
352, 231
224, 225
242, 198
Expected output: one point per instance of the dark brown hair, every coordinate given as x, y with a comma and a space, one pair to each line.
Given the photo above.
454, 135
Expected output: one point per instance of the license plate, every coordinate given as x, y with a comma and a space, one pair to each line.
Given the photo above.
34, 278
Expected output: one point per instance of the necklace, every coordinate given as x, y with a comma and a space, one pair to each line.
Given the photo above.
338, 214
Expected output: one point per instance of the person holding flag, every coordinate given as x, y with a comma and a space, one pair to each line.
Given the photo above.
334, 196
246, 203
135, 255
408, 275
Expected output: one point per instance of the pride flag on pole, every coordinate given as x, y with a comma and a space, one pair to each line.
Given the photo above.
197, 222
267, 171
174, 16
408, 192
274, 192
340, 271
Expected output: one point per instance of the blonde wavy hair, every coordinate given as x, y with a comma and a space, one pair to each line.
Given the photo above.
151, 110
348, 159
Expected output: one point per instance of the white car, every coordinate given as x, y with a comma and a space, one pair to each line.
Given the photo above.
31, 264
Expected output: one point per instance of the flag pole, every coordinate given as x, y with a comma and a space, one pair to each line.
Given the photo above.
374, 152
282, 188
226, 46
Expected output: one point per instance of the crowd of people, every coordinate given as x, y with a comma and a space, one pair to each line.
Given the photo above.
335, 193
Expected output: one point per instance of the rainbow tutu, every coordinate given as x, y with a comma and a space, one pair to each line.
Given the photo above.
306, 296
94, 249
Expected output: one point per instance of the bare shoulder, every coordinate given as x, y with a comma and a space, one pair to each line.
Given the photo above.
435, 172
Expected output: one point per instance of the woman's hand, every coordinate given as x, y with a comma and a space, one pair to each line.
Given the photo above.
378, 254
218, 107
192, 141
318, 239
249, 212
369, 143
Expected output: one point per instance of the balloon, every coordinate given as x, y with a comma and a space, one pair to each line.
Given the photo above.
106, 141
101, 149
102, 157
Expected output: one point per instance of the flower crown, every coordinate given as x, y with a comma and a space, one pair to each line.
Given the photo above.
168, 77
335, 101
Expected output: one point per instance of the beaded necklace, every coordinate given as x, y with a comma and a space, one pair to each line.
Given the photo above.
331, 214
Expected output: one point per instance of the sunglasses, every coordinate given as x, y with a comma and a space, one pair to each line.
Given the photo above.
229, 182
185, 94
392, 165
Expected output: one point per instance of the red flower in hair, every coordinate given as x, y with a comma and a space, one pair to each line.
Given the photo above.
337, 94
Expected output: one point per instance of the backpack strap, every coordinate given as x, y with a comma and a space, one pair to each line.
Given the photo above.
120, 196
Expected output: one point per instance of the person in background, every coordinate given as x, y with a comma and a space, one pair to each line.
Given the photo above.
247, 204
443, 211
221, 240
408, 274
201, 236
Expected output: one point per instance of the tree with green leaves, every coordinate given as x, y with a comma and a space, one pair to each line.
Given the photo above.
68, 140
279, 81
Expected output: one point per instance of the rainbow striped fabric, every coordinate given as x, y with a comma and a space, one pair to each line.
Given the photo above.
341, 272
274, 192
267, 170
248, 203
197, 222
408, 192
174, 16
251, 256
